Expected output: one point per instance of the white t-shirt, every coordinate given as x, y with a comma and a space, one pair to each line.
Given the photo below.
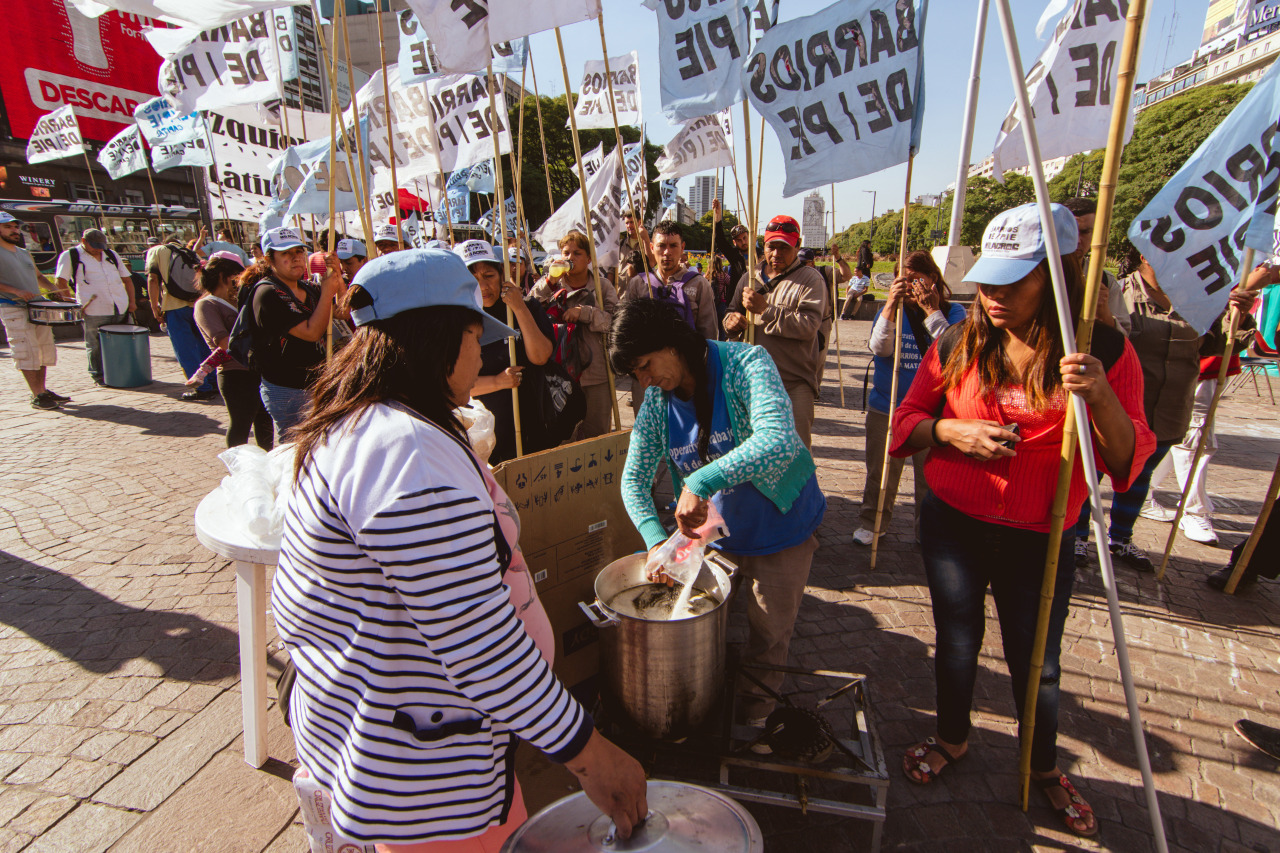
100, 278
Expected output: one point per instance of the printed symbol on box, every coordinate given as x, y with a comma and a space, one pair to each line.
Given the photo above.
541, 475
559, 470
593, 482
559, 494
540, 499
539, 577
522, 480
591, 463
577, 465
608, 478
576, 488
608, 455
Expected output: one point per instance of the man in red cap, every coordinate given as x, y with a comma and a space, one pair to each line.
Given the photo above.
787, 308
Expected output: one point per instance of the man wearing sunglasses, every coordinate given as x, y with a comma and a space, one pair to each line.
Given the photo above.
787, 301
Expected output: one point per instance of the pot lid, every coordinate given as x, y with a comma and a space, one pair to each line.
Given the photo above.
682, 819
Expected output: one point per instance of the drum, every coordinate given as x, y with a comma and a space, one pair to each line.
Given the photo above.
45, 312
126, 355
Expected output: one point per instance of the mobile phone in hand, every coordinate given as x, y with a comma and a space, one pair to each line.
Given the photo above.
1013, 428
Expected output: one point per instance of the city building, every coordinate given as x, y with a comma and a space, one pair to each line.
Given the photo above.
703, 192
986, 169
813, 221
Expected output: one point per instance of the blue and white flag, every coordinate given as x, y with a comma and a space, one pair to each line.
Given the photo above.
418, 60
489, 220
236, 63
1221, 200
307, 172
458, 209
702, 144
477, 179
850, 102
700, 51
124, 153
273, 216
670, 190
175, 139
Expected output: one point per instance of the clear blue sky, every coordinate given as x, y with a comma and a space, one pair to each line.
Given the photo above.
1173, 32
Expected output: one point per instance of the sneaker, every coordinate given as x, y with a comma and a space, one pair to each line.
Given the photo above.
44, 401
1154, 511
191, 396
863, 536
1126, 552
1198, 528
1082, 553
1218, 580
57, 397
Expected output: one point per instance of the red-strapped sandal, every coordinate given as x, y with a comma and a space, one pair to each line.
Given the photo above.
917, 759
1076, 810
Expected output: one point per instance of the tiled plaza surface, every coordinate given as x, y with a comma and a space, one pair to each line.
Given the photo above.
119, 673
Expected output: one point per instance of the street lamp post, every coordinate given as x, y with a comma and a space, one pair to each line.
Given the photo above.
873, 211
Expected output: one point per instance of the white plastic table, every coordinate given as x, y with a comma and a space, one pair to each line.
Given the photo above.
217, 530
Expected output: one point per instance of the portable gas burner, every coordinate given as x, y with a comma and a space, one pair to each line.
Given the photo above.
818, 750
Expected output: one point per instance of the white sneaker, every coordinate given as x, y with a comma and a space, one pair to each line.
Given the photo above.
1156, 512
863, 536
1199, 529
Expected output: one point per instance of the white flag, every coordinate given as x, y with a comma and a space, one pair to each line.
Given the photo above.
593, 110
1071, 87
703, 144
418, 61
607, 198
850, 103
201, 14
56, 135
700, 51
489, 220
464, 124
229, 65
412, 136
175, 139
459, 33
592, 161
123, 154
512, 19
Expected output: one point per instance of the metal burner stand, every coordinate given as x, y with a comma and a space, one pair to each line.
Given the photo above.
852, 781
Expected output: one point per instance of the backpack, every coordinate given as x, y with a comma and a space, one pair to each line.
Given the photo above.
674, 294
180, 279
569, 348
76, 262
564, 404
240, 338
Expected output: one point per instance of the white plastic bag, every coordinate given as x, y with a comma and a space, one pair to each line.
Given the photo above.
680, 558
314, 803
250, 489
481, 427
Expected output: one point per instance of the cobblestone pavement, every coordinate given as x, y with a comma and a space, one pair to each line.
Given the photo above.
119, 679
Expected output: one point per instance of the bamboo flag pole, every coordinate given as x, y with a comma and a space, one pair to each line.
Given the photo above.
97, 194
751, 219
966, 128
897, 364
333, 151
360, 179
391, 145
759, 170
495, 122
1232, 321
715, 199
1252, 542
586, 214
835, 302
1087, 456
622, 153
542, 134
523, 239
1084, 337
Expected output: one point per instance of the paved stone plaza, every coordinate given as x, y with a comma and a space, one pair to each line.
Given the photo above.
119, 675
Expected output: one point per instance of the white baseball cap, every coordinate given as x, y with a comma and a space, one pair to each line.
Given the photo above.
475, 251
1013, 244
7, 217
385, 233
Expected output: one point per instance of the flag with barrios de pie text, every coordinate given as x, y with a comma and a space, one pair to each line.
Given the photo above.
842, 88
56, 135
417, 58
702, 144
242, 62
593, 109
124, 153
201, 14
175, 139
701, 46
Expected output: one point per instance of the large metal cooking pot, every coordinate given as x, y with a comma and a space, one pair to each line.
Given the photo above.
682, 819
665, 675
46, 312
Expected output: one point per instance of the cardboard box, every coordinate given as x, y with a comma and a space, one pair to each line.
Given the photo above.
572, 525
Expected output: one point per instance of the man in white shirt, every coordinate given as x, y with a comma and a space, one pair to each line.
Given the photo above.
103, 288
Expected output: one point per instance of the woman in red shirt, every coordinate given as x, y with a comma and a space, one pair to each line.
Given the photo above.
990, 404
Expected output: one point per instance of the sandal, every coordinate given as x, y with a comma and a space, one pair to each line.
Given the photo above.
917, 759
1076, 809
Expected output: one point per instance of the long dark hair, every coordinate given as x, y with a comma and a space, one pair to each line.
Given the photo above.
642, 326
216, 271
982, 344
405, 358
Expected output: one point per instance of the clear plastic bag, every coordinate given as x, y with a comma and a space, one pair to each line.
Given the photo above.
680, 558
249, 489
481, 427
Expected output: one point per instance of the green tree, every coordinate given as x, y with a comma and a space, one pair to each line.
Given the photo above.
697, 237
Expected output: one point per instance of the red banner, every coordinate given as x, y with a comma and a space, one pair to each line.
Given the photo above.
54, 55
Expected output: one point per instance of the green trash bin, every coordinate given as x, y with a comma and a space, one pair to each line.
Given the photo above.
126, 355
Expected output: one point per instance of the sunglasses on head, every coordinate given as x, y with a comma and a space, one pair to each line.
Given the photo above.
784, 227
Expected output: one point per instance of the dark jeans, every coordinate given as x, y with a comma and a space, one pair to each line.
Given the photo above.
1125, 506
962, 557
239, 390
189, 346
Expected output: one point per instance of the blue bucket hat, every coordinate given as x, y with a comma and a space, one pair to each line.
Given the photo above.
1013, 244
422, 278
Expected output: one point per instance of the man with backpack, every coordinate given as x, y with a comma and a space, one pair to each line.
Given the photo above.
171, 276
103, 288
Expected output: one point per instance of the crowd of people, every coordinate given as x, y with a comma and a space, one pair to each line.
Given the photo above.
421, 648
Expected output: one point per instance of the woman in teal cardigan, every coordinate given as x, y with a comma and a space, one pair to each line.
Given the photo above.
719, 415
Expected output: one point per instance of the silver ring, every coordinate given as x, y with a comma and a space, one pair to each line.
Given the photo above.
1083, 369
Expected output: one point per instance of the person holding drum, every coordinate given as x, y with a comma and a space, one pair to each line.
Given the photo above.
421, 647
30, 344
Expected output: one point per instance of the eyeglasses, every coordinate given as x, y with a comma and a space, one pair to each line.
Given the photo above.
784, 227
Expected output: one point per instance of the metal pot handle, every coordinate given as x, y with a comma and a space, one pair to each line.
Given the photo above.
611, 838
727, 566
599, 617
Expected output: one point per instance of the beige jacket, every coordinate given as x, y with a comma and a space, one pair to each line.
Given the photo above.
597, 320
789, 328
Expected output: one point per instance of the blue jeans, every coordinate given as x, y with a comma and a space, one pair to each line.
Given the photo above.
188, 344
962, 557
284, 405
1125, 506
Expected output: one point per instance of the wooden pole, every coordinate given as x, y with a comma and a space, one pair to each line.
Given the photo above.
586, 216
391, 145
93, 182
542, 133
1232, 321
333, 150
759, 171
835, 301
1084, 338
1086, 449
897, 364
715, 198
517, 175
622, 153
506, 259
359, 178
751, 218
1251, 543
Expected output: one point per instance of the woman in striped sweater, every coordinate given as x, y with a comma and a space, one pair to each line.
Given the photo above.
421, 647
990, 400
